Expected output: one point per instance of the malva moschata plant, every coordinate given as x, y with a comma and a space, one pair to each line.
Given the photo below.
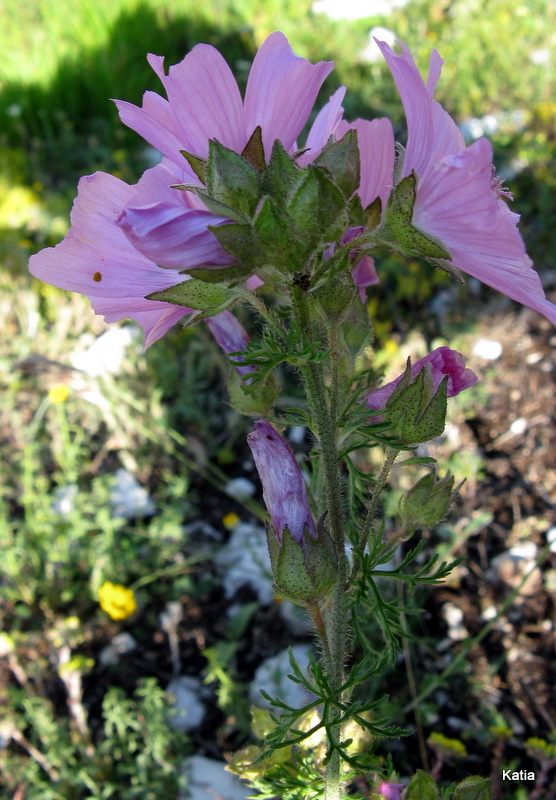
239, 212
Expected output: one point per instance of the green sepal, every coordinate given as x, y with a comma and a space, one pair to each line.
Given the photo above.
317, 208
336, 296
218, 208
415, 412
426, 503
196, 294
303, 573
474, 787
397, 229
422, 787
231, 179
240, 241
373, 214
254, 400
253, 152
281, 175
197, 164
342, 161
356, 333
232, 275
271, 226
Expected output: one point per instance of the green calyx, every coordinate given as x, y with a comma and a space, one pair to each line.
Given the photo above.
303, 573
416, 412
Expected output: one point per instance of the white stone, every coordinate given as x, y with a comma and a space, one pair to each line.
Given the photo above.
120, 645
272, 676
244, 561
487, 349
518, 426
106, 353
297, 433
209, 780
188, 711
128, 498
239, 488
551, 539
296, 618
64, 497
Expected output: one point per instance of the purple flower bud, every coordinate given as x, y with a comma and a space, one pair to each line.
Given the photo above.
231, 336
390, 791
443, 361
283, 485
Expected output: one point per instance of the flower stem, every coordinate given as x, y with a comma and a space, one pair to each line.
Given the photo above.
334, 633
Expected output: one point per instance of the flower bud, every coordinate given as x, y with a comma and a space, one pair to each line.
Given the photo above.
415, 403
426, 503
302, 555
390, 791
283, 485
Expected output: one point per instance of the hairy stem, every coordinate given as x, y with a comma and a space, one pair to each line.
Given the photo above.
323, 412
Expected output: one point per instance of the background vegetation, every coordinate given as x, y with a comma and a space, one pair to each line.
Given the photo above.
163, 414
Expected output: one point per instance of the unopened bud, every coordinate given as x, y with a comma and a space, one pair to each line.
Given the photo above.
426, 503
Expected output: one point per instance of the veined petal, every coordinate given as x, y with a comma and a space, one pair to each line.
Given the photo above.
377, 152
96, 258
324, 126
281, 91
174, 237
155, 123
206, 102
456, 204
432, 133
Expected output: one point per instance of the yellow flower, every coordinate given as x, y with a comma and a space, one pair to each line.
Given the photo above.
230, 520
116, 600
58, 393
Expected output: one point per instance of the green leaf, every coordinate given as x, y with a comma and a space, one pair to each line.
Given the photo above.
422, 787
373, 214
232, 275
397, 229
472, 788
341, 159
317, 208
239, 240
196, 294
272, 226
231, 179
416, 461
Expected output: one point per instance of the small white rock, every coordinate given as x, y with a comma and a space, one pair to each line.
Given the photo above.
551, 539
64, 497
519, 426
106, 353
240, 488
188, 711
245, 561
120, 645
128, 498
209, 780
272, 676
487, 349
297, 433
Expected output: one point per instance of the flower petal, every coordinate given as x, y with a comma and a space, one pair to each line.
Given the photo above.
323, 127
231, 336
281, 91
456, 204
432, 133
377, 153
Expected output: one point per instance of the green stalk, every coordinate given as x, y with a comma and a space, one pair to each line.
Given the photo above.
333, 636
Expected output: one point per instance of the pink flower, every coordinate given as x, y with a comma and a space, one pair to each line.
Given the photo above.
443, 361
457, 200
126, 242
390, 791
284, 490
204, 103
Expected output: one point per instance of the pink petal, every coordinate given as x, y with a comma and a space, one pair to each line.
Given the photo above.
432, 133
323, 127
377, 151
457, 204
155, 123
281, 91
174, 237
205, 99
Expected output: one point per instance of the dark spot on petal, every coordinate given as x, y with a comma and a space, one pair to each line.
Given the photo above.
268, 436
97, 277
